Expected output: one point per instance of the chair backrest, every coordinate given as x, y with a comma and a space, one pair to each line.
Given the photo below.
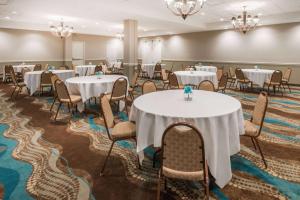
223, 81
219, 73
106, 113
61, 90
8, 69
206, 85
173, 82
54, 78
13, 77
64, 67
46, 77
183, 148
231, 72
98, 68
134, 78
37, 67
148, 87
119, 88
260, 109
239, 74
164, 74
287, 74
24, 70
276, 76
157, 67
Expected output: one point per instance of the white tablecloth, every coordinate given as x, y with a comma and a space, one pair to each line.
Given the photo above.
33, 79
149, 68
91, 86
195, 77
18, 69
218, 117
83, 70
207, 68
258, 76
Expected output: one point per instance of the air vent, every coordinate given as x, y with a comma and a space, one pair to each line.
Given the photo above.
3, 2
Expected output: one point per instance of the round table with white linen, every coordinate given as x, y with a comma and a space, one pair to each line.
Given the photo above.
207, 68
91, 86
83, 70
258, 76
33, 79
195, 77
149, 68
218, 117
18, 68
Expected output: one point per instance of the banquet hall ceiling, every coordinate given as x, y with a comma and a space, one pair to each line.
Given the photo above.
105, 17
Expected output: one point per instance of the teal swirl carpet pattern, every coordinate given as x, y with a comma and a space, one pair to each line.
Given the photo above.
31, 167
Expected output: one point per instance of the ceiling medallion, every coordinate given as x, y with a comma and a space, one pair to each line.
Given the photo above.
62, 30
245, 22
185, 8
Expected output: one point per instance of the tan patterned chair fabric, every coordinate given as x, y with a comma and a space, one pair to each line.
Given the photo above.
231, 72
54, 78
119, 90
46, 78
251, 129
276, 78
134, 79
220, 72
223, 82
148, 87
183, 153
157, 68
240, 75
173, 81
107, 112
37, 67
8, 69
98, 68
287, 75
63, 93
123, 130
164, 75
260, 109
207, 86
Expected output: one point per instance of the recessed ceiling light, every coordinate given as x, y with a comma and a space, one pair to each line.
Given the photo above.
221, 19
14, 12
7, 17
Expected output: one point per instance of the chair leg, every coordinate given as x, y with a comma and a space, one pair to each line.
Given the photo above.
11, 96
53, 104
253, 143
288, 85
158, 186
19, 91
57, 111
102, 170
261, 153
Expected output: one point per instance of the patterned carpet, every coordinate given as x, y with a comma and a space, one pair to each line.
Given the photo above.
40, 159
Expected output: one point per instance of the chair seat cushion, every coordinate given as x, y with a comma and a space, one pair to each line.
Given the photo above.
250, 128
123, 130
268, 82
108, 96
46, 84
74, 99
244, 81
192, 176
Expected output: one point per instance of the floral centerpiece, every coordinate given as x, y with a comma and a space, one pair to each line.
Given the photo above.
188, 91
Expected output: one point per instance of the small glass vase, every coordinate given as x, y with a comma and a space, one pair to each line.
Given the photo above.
188, 96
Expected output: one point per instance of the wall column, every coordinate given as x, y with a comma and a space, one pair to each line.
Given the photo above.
130, 46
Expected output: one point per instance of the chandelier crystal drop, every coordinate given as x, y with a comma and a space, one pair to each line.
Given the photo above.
62, 30
245, 22
185, 8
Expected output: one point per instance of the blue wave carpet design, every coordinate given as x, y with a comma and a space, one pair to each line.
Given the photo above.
280, 142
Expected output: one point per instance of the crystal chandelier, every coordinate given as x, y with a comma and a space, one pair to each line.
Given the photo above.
185, 8
245, 22
62, 30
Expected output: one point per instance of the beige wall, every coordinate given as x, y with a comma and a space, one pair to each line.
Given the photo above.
275, 47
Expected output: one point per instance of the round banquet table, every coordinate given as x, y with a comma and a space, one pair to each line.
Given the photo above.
195, 77
83, 70
207, 68
33, 79
91, 86
149, 68
218, 117
18, 69
258, 76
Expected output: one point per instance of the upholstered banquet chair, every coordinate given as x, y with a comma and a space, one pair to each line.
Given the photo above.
157, 71
241, 79
64, 97
231, 77
148, 87
64, 67
206, 85
119, 92
222, 85
142, 73
54, 78
165, 78
183, 156
115, 131
45, 81
220, 72
7, 72
286, 79
18, 86
98, 68
37, 67
274, 82
134, 84
173, 82
254, 126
